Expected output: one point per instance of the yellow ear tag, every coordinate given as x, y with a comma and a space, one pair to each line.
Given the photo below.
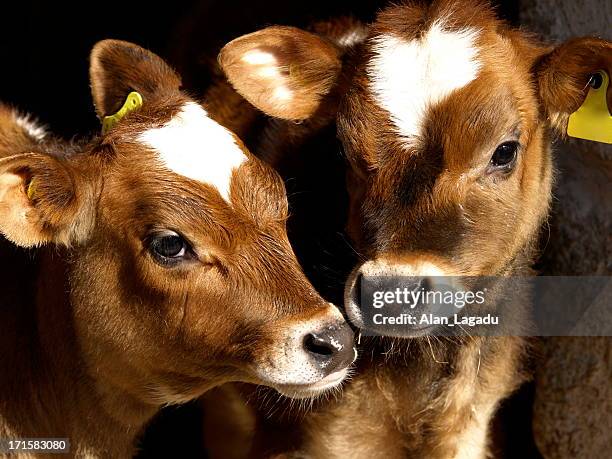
592, 121
31, 191
133, 102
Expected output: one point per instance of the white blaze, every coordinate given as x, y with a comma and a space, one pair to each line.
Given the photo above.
195, 146
407, 77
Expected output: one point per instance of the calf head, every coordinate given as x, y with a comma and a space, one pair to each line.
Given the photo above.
444, 113
180, 271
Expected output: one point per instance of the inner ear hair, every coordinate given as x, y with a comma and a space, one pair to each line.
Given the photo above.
563, 75
44, 199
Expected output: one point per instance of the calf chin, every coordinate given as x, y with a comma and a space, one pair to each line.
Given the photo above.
315, 358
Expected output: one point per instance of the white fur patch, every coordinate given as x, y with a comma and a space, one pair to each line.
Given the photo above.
408, 77
265, 65
35, 131
472, 442
257, 57
195, 146
352, 37
385, 268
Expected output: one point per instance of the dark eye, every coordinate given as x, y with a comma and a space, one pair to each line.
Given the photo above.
168, 248
504, 155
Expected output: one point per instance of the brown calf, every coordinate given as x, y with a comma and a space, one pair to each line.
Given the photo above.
444, 114
166, 268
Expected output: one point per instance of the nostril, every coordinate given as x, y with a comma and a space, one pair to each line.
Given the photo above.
427, 284
316, 345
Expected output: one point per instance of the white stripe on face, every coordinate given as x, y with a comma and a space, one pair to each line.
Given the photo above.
408, 77
195, 146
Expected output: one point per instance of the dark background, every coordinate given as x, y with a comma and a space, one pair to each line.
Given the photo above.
44, 46
44, 50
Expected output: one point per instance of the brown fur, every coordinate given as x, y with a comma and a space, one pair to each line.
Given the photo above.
97, 335
309, 83
426, 397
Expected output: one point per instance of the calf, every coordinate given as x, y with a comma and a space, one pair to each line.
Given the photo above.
162, 267
444, 113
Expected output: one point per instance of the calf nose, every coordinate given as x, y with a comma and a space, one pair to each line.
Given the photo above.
331, 347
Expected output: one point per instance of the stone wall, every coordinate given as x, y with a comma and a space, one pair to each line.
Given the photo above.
573, 402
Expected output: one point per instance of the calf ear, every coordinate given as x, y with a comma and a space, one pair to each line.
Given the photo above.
283, 71
43, 199
564, 73
118, 68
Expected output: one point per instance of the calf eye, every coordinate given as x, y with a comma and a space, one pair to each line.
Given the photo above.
168, 248
504, 156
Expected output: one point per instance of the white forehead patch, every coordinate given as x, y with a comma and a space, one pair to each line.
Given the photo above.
195, 146
407, 77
